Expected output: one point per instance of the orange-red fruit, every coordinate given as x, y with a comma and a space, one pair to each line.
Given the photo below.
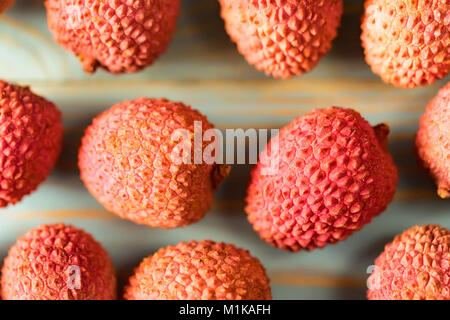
119, 36
433, 140
202, 270
57, 262
284, 38
407, 42
127, 162
30, 141
325, 176
5, 4
413, 266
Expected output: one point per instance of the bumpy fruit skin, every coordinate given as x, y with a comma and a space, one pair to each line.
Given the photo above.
325, 176
42, 266
5, 4
30, 141
202, 270
433, 140
407, 42
126, 162
415, 266
121, 36
284, 38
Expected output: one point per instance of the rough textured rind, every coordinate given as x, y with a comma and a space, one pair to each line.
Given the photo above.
407, 42
433, 140
126, 163
30, 141
415, 266
5, 4
40, 266
202, 270
333, 176
284, 38
120, 36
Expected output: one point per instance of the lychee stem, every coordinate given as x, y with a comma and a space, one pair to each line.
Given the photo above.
88, 64
219, 173
382, 132
443, 192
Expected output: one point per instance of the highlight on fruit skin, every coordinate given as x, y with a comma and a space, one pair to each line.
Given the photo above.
325, 176
5, 4
126, 163
406, 41
281, 37
414, 266
433, 140
120, 36
203, 270
31, 134
57, 262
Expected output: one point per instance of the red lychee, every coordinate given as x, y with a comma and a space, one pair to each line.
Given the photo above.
407, 42
284, 38
30, 141
325, 176
202, 270
433, 140
57, 262
120, 36
5, 4
415, 266
126, 162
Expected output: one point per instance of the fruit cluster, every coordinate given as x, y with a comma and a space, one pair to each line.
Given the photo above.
405, 41
334, 171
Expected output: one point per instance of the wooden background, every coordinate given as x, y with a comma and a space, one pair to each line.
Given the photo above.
202, 68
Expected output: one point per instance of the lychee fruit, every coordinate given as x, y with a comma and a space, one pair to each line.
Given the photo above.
30, 141
57, 262
203, 270
406, 42
128, 161
5, 4
119, 36
415, 266
325, 176
284, 38
433, 140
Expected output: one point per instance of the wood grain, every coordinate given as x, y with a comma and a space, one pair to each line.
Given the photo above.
202, 68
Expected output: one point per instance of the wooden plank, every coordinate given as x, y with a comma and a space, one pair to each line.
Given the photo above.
203, 68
